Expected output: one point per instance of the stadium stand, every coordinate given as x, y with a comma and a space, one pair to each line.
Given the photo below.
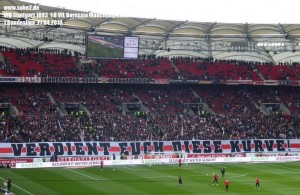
38, 62
183, 85
232, 113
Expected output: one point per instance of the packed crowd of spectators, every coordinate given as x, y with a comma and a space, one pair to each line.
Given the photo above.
229, 100
35, 113
232, 115
30, 100
40, 128
118, 127
290, 97
165, 100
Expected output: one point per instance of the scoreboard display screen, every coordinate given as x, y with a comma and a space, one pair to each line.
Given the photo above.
131, 47
110, 47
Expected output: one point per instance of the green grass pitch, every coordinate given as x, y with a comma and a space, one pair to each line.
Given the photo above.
276, 178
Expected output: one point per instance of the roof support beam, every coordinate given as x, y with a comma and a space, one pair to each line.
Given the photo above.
139, 25
208, 40
246, 31
166, 38
94, 28
168, 34
270, 57
174, 27
283, 32
158, 45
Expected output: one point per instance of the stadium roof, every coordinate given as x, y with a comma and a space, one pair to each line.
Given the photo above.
263, 42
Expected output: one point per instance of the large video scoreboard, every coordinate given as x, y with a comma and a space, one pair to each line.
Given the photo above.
110, 46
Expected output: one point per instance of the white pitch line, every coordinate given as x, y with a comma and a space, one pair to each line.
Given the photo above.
82, 174
19, 187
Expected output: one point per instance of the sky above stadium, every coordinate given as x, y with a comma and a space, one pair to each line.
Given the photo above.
222, 11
